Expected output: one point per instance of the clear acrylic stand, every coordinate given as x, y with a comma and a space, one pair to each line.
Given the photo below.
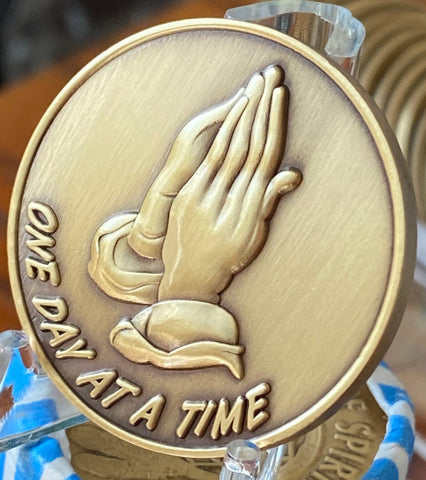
332, 31
31, 407
329, 29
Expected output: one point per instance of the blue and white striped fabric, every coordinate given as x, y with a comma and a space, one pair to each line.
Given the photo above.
393, 457
49, 457
42, 460
36, 403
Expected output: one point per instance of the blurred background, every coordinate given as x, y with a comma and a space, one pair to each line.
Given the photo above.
43, 43
35, 33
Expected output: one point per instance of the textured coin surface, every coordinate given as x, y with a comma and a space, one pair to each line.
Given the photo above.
343, 447
211, 235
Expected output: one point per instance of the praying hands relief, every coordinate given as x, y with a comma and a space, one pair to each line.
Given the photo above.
204, 219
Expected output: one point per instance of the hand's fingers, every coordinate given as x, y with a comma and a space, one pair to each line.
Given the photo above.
238, 147
225, 135
252, 199
207, 170
274, 77
187, 153
208, 118
276, 136
259, 204
181, 162
284, 182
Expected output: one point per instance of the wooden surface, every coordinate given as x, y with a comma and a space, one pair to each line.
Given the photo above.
22, 105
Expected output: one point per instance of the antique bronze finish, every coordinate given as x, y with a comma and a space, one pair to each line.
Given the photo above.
343, 446
150, 238
228, 196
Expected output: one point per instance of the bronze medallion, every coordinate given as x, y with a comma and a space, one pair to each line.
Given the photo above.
342, 447
212, 236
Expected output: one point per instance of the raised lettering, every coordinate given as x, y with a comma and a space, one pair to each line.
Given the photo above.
249, 408
77, 350
43, 217
43, 221
61, 333
125, 387
44, 271
40, 243
150, 412
191, 408
52, 308
256, 415
336, 452
205, 419
357, 445
100, 380
227, 419
357, 429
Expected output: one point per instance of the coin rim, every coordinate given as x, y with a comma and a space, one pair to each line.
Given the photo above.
404, 234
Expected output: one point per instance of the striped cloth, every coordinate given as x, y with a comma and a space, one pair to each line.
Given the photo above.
36, 403
49, 459
393, 457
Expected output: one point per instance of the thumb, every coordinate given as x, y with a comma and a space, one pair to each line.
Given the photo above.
283, 182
